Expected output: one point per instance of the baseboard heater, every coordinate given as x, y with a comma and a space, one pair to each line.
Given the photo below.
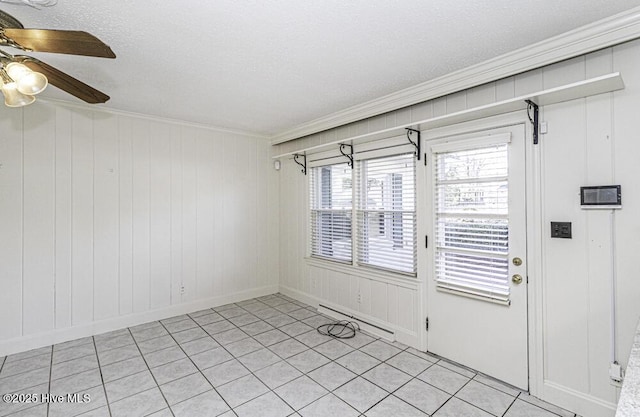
356, 319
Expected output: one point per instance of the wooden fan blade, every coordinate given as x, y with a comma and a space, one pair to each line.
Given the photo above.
71, 42
65, 81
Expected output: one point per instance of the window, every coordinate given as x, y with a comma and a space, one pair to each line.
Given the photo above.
472, 233
384, 231
386, 213
331, 210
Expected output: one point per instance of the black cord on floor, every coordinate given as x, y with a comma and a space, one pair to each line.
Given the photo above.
340, 329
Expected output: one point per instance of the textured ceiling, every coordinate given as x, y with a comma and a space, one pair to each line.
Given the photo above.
267, 66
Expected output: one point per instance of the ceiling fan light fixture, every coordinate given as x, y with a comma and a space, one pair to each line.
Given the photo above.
16, 70
13, 97
32, 75
28, 82
32, 84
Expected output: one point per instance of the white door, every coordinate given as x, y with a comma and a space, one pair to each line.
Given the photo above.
477, 291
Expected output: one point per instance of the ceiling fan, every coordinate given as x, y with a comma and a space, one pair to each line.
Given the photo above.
13, 34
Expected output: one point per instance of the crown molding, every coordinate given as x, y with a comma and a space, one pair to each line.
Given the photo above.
598, 85
116, 112
604, 33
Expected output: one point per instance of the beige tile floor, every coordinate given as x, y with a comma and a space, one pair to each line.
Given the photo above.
260, 357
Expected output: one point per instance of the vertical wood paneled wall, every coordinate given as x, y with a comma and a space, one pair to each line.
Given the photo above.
106, 216
592, 141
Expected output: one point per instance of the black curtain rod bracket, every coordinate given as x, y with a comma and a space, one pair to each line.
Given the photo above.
302, 164
534, 120
410, 132
349, 155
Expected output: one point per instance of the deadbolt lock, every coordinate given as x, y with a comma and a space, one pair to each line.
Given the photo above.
517, 261
516, 279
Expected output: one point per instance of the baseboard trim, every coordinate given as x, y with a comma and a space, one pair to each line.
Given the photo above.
24, 343
398, 334
580, 403
300, 296
364, 325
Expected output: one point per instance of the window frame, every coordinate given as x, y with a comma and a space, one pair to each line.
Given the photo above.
370, 150
314, 187
361, 209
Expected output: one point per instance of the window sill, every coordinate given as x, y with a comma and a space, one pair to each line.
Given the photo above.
364, 272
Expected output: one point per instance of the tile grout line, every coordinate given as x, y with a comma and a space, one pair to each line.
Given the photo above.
381, 362
537, 406
454, 395
34, 404
196, 366
242, 364
514, 398
222, 346
357, 375
308, 348
281, 360
248, 337
135, 342
520, 392
104, 387
250, 371
79, 372
469, 379
270, 390
510, 405
88, 342
489, 386
541, 407
42, 367
390, 393
329, 392
50, 374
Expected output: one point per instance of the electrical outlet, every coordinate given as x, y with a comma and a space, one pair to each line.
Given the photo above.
616, 374
182, 289
561, 230
359, 298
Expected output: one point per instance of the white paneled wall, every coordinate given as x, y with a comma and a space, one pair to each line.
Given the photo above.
592, 141
108, 220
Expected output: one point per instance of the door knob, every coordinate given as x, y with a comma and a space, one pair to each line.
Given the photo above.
516, 279
517, 261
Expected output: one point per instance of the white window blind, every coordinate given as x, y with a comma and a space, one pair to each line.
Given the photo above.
386, 213
472, 230
331, 210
